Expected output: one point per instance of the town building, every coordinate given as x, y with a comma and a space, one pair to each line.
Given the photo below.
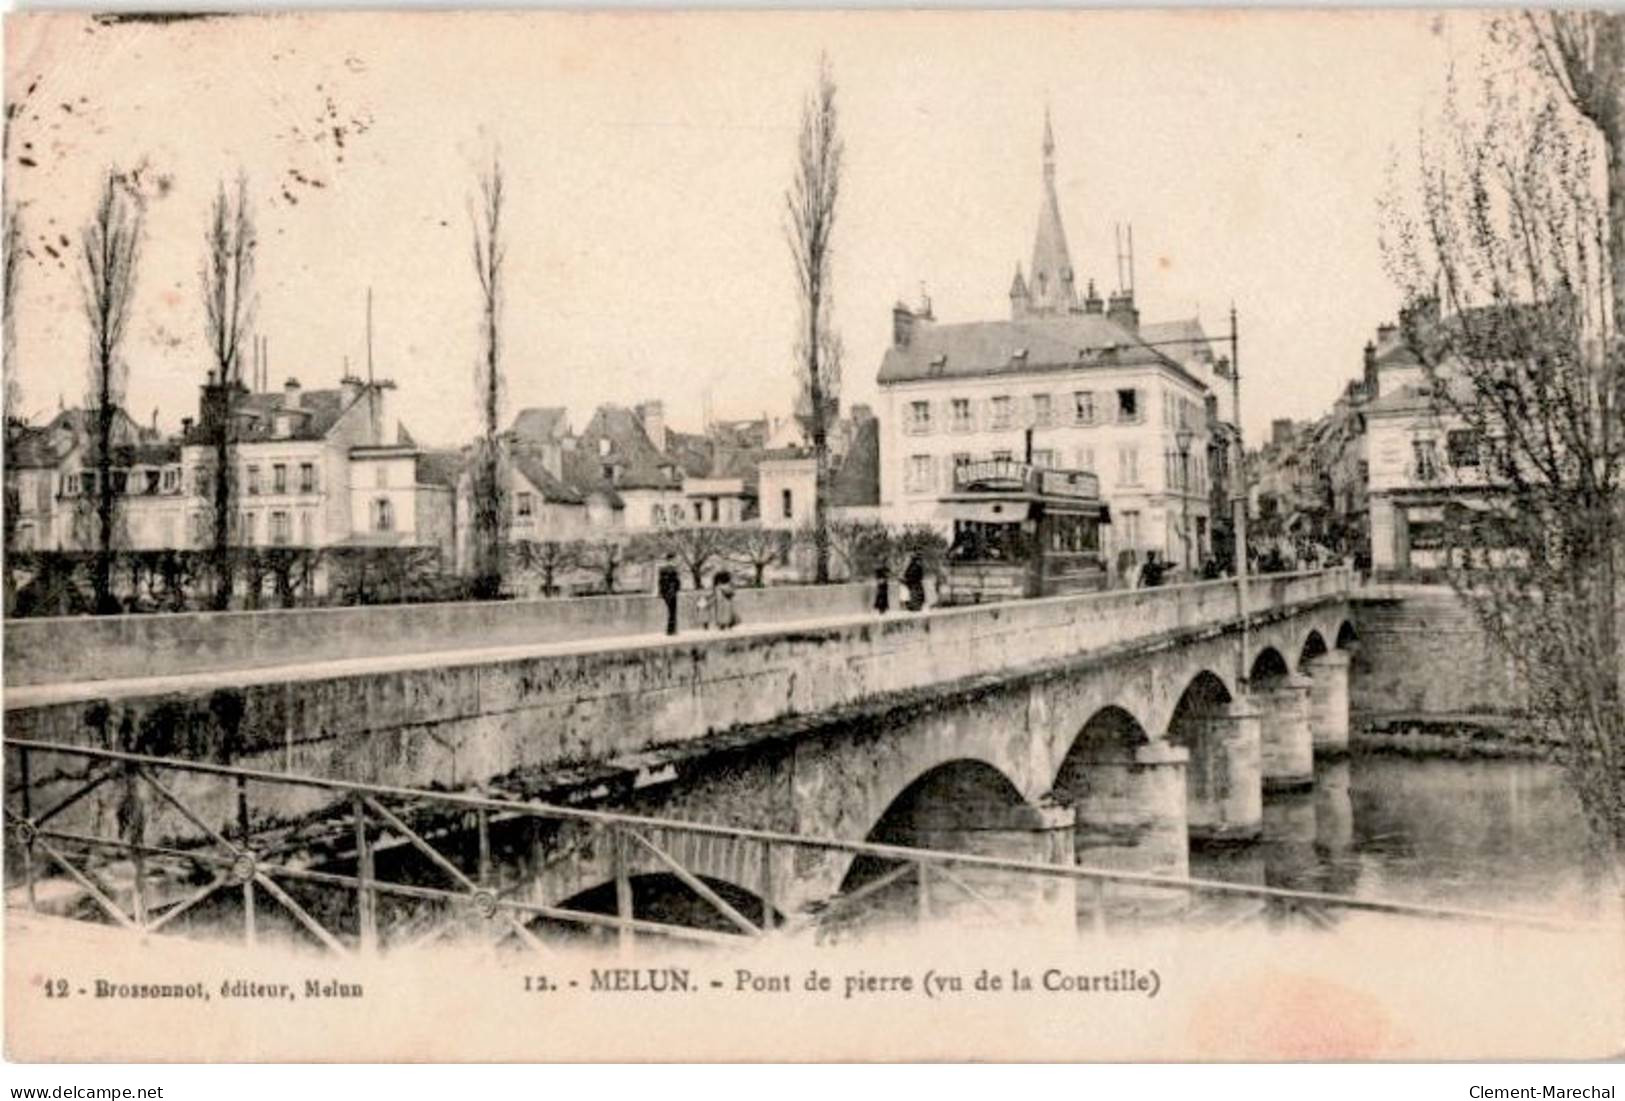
1070, 380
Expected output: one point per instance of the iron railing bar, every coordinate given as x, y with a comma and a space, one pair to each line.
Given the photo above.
176, 911
419, 843
90, 785
186, 812
975, 895
695, 884
857, 848
841, 902
113, 909
298, 911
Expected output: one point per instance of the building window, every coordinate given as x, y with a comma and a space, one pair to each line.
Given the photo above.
961, 458
172, 479
1044, 458
1128, 407
1462, 446
1131, 529
1083, 406
249, 528
658, 515
1128, 466
1086, 458
961, 415
307, 477
603, 446
788, 502
699, 511
381, 476
524, 504
253, 479
1043, 410
279, 528
306, 524
919, 417
919, 473
1002, 455
151, 480
1001, 412
279, 478
1426, 460
383, 514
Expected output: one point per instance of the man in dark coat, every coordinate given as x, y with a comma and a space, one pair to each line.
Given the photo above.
669, 584
914, 582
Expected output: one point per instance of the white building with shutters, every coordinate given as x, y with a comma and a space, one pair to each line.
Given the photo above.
1096, 392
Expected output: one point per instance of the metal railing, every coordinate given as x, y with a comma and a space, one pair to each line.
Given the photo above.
371, 818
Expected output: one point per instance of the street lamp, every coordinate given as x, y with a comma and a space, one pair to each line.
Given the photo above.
1183, 438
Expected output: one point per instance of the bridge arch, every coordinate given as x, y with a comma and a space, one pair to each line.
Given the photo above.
1268, 669
1223, 798
1314, 646
1347, 636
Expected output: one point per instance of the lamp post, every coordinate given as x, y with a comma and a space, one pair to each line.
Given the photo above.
1183, 438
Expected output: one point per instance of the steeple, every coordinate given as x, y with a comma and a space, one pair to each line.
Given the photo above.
1050, 285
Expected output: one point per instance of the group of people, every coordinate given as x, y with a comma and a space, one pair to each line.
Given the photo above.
913, 583
716, 604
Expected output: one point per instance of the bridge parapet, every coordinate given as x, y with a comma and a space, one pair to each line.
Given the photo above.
464, 721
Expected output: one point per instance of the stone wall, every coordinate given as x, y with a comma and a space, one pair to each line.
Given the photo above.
1421, 652
53, 651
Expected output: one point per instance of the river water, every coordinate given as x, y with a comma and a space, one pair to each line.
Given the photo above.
1503, 835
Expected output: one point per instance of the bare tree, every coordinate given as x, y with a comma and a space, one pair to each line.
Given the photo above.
758, 548
11, 242
227, 278
110, 245
695, 548
1515, 268
547, 559
490, 519
810, 205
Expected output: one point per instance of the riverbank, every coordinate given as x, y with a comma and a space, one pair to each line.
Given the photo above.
1452, 737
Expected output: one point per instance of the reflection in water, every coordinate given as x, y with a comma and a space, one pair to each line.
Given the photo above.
1493, 835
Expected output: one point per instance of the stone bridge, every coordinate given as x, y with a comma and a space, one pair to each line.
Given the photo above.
1109, 729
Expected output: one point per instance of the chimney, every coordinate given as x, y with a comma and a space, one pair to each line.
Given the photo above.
1120, 308
290, 393
653, 416
1370, 370
1092, 302
186, 427
1281, 431
902, 325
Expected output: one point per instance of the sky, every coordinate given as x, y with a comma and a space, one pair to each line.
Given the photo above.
646, 158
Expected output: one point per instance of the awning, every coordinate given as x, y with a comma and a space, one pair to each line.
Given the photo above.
986, 512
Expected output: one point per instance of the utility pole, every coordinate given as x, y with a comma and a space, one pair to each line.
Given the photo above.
1239, 507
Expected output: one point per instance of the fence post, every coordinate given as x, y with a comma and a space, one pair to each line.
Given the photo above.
767, 887
28, 816
923, 875
623, 888
366, 898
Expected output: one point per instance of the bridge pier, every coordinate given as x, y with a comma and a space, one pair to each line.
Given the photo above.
1288, 752
1131, 817
1329, 702
1224, 778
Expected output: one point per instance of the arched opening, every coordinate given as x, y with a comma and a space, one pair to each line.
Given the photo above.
662, 898
1269, 669
1286, 746
960, 806
1347, 636
1222, 776
1313, 647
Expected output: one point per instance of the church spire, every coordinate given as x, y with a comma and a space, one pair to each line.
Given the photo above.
1050, 287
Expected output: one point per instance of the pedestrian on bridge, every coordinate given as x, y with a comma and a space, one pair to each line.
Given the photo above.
669, 583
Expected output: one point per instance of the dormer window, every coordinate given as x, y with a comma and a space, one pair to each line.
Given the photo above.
603, 446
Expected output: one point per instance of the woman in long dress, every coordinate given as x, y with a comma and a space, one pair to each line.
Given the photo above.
723, 587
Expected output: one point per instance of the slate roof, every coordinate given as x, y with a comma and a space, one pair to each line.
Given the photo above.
981, 348
553, 490
439, 468
539, 423
630, 450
